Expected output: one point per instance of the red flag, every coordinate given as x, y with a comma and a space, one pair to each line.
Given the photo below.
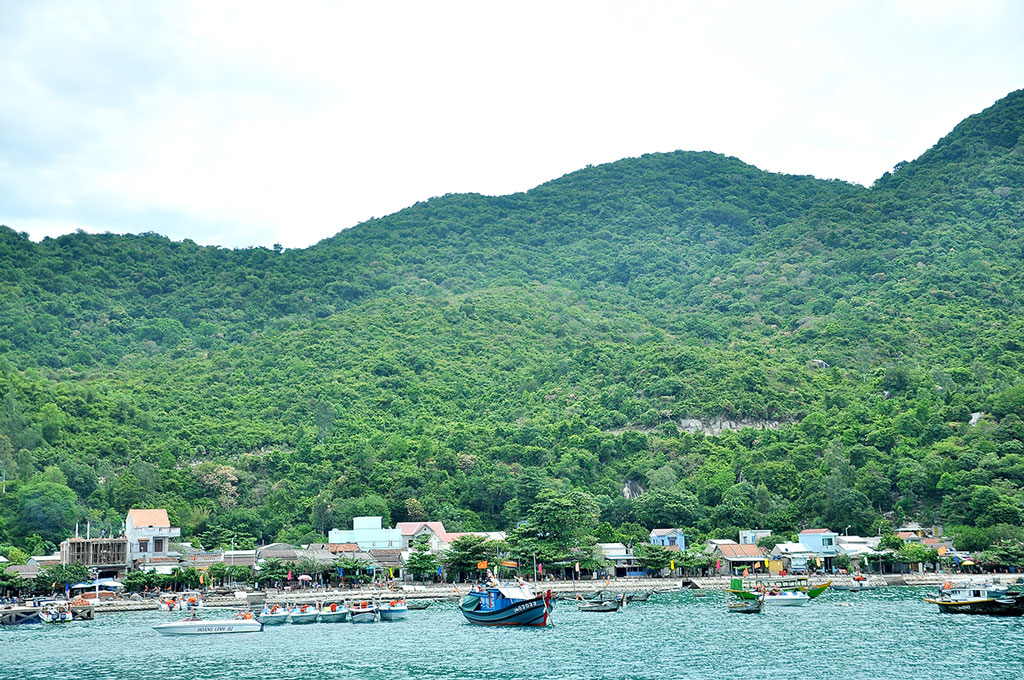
540, 568
481, 565
289, 574
718, 565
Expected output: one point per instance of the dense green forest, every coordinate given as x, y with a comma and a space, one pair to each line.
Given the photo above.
461, 358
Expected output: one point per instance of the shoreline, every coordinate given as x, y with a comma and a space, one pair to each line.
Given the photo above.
453, 592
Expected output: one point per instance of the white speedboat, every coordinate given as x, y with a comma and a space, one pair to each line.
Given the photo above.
393, 611
193, 625
786, 598
55, 611
362, 612
306, 613
274, 615
333, 613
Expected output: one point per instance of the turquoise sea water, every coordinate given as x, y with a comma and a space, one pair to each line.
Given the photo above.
882, 634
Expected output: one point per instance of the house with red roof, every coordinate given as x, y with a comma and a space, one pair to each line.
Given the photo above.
149, 533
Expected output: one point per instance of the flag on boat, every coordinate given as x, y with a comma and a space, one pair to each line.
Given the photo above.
509, 563
482, 564
577, 567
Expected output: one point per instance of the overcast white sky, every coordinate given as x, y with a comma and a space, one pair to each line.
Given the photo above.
255, 123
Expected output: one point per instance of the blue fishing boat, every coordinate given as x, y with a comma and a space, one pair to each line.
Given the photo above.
506, 605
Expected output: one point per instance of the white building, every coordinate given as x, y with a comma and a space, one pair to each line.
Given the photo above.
149, 534
752, 536
369, 533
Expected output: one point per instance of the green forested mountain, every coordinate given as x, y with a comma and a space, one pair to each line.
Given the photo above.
454, 360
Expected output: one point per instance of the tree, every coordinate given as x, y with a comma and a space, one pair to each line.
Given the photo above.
238, 573
560, 522
653, 558
464, 554
890, 542
1008, 553
217, 572
14, 554
770, 541
421, 561
47, 509
54, 578
271, 571
915, 553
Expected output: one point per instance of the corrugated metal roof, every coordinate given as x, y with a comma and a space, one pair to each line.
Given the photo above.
741, 550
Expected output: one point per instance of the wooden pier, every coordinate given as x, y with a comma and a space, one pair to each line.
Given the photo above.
10, 616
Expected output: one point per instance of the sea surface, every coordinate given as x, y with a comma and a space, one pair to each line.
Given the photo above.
889, 633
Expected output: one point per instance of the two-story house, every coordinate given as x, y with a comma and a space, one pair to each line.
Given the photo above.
823, 544
149, 533
669, 538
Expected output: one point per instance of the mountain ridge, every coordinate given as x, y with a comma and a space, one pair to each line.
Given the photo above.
451, 360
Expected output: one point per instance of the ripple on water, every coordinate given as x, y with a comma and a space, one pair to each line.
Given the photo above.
880, 634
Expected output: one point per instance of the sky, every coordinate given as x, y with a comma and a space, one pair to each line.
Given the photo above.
258, 123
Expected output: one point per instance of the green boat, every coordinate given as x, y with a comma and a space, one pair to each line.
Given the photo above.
800, 583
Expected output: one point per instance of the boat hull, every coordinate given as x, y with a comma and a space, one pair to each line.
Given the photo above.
302, 618
393, 613
1008, 605
274, 619
363, 616
746, 606
209, 627
794, 600
338, 616
532, 612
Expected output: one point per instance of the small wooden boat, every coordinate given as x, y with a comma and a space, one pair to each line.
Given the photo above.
746, 606
419, 604
638, 597
854, 586
395, 610
611, 605
193, 625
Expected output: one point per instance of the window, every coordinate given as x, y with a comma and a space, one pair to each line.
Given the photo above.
143, 545
158, 545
